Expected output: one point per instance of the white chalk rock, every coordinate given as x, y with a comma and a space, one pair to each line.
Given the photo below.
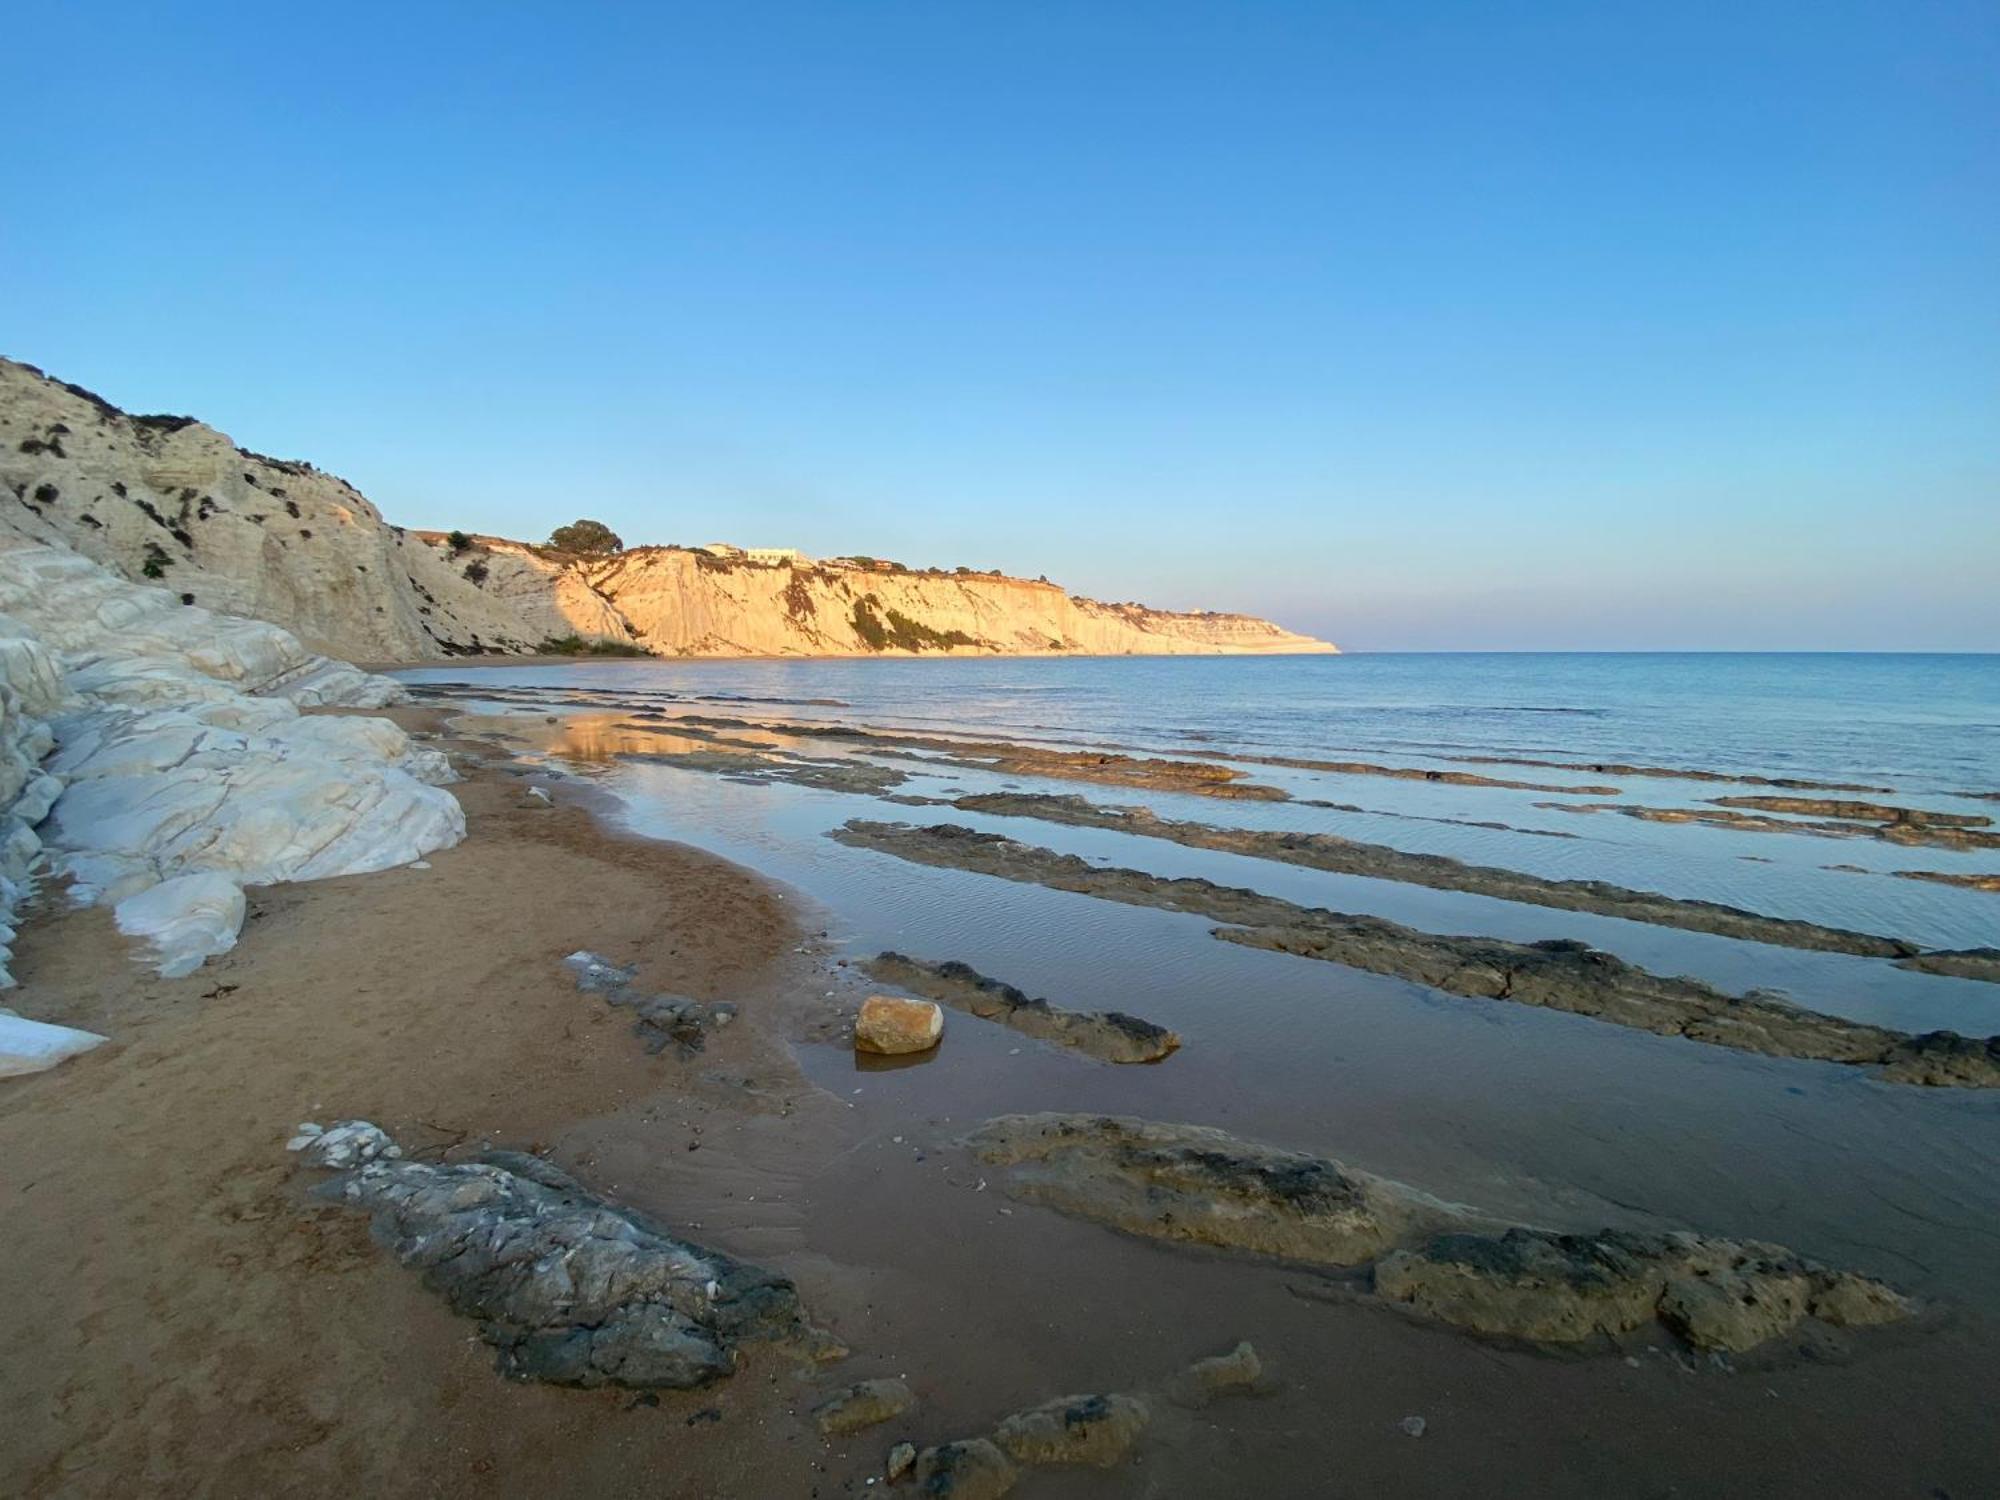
30, 1046
182, 768
187, 919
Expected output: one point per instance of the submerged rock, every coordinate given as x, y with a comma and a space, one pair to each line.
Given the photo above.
970, 1470
1566, 1288
1925, 832
762, 766
1944, 1059
567, 1287
1184, 1182
1959, 963
1238, 1372
1857, 812
1095, 1430
892, 1026
1109, 1035
863, 1405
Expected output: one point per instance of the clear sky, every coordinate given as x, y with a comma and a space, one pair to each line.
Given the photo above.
1412, 325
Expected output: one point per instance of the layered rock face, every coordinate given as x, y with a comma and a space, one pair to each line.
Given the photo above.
155, 754
680, 602
172, 500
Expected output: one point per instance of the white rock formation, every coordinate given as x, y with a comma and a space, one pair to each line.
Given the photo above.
30, 1046
182, 767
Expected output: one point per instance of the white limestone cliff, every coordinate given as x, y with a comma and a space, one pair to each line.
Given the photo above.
173, 500
155, 754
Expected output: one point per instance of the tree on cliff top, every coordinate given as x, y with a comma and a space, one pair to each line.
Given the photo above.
585, 536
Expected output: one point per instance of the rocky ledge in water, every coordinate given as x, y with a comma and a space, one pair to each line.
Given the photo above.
1857, 812
1006, 758
1110, 1035
569, 1288
660, 1021
1672, 773
1959, 963
1945, 877
1095, 1431
1406, 773
824, 775
1327, 851
1557, 974
1194, 1184
1920, 834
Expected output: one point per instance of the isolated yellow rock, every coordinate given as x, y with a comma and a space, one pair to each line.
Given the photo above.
891, 1025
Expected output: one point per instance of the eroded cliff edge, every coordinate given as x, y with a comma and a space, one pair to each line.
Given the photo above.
172, 501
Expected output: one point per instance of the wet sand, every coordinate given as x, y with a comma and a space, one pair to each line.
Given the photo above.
199, 1325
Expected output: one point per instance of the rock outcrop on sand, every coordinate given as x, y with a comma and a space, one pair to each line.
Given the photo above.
1090, 1431
867, 1403
171, 498
658, 1021
972, 1469
1557, 974
157, 756
1109, 1035
1096, 1431
1202, 1186
568, 1288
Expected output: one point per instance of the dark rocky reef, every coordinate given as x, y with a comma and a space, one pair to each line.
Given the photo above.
1857, 812
1616, 768
1958, 963
1111, 1036
1557, 975
568, 1288
1567, 1288
1943, 877
1909, 834
1194, 1184
1407, 773
1201, 1186
1326, 851
824, 775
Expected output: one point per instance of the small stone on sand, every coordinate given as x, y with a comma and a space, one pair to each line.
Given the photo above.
892, 1026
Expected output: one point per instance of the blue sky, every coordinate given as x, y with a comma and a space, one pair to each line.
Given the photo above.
1413, 325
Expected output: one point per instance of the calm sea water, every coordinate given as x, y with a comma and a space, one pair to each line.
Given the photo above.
1919, 722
